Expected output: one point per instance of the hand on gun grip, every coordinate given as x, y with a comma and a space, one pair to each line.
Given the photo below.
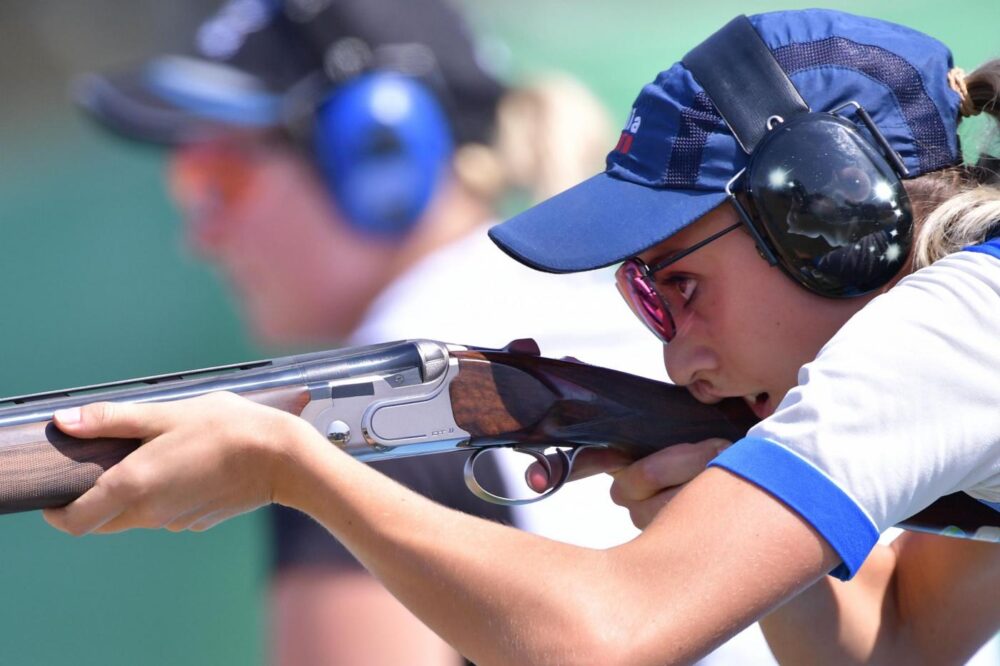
647, 485
587, 463
644, 486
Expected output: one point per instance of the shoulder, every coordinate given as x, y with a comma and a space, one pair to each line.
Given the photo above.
955, 299
975, 268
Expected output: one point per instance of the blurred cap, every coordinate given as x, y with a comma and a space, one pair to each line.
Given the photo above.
676, 154
249, 55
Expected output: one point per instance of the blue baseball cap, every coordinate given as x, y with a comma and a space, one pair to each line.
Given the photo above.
676, 154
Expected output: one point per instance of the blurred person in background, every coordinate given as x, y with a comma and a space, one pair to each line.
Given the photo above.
340, 163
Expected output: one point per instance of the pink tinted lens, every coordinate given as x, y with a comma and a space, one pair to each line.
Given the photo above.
644, 301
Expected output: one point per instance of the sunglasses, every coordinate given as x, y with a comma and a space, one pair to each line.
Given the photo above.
225, 171
656, 307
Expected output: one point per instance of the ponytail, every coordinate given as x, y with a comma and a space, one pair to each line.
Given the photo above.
960, 206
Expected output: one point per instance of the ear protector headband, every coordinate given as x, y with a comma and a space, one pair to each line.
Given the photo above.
381, 142
827, 204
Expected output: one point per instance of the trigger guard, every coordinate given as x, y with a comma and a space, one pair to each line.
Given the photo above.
476, 489
472, 483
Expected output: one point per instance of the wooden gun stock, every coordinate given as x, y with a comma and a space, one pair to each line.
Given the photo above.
638, 416
537, 400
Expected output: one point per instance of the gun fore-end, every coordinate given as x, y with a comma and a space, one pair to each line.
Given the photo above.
42, 467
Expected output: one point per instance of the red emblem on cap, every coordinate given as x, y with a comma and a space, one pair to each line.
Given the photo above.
624, 143
628, 133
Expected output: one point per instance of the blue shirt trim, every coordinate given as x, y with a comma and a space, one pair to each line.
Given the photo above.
990, 247
810, 493
993, 505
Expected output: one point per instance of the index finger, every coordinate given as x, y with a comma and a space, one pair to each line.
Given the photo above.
588, 462
596, 461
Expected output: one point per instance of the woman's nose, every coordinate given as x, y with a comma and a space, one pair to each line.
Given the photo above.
687, 360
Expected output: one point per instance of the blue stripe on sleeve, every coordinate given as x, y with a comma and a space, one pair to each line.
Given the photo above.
993, 505
991, 247
810, 493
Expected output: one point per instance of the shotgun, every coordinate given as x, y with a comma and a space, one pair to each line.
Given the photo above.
413, 398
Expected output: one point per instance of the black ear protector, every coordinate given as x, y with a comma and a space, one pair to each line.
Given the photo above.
381, 142
827, 203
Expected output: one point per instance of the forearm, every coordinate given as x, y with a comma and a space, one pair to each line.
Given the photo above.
504, 596
943, 577
891, 611
835, 622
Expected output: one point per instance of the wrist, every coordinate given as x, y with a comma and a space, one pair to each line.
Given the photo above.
297, 445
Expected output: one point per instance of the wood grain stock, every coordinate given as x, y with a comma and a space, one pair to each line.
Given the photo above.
42, 467
527, 399
490, 399
520, 398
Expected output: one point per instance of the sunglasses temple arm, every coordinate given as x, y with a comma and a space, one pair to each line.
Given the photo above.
890, 154
762, 247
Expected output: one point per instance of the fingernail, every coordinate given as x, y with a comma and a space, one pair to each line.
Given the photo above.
70, 416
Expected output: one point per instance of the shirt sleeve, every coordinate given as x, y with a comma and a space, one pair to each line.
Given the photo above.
901, 407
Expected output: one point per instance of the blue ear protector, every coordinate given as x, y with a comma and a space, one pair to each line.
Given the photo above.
828, 203
382, 144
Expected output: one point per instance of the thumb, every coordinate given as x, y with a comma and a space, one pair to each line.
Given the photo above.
110, 419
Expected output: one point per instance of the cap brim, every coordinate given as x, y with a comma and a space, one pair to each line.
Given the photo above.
175, 100
599, 222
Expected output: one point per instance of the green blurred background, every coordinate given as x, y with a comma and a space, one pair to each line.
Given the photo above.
97, 285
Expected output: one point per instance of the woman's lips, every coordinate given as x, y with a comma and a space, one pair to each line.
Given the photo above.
702, 392
760, 403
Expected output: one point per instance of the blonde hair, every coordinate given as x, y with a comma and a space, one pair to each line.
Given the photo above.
960, 206
551, 133
965, 219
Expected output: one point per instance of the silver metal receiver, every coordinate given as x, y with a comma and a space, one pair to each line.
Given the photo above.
391, 415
